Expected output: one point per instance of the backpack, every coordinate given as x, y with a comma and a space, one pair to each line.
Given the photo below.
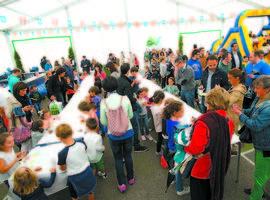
118, 121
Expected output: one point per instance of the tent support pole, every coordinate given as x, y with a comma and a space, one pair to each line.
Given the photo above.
126, 19
70, 29
10, 49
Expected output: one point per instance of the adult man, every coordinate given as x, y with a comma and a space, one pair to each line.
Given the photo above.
185, 78
255, 68
125, 89
85, 64
195, 64
13, 79
69, 69
225, 64
212, 77
236, 56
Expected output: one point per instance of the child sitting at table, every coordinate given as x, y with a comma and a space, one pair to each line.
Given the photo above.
95, 147
70, 88
37, 132
73, 159
27, 185
46, 118
8, 158
88, 110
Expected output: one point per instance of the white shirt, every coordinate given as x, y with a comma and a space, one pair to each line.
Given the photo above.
95, 147
74, 157
236, 59
157, 111
8, 157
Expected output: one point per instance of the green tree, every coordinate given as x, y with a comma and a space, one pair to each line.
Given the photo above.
180, 44
71, 53
18, 61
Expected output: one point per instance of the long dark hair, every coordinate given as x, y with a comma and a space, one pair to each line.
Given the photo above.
237, 73
158, 96
17, 88
99, 66
171, 108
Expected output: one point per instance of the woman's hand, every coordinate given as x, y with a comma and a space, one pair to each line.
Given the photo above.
27, 108
53, 170
236, 109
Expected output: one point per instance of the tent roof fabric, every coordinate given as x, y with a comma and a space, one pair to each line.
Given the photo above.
35, 14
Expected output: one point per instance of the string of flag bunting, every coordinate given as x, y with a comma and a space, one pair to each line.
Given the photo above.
85, 26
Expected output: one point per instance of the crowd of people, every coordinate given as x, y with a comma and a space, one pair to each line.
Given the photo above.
116, 106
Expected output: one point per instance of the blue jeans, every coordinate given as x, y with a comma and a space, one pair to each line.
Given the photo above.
188, 96
122, 149
135, 125
37, 106
178, 182
143, 119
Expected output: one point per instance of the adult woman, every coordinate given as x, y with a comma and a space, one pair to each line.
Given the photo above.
257, 120
121, 145
56, 86
237, 92
211, 147
20, 93
99, 73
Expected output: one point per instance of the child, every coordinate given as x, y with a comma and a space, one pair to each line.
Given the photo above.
94, 98
157, 109
73, 159
70, 88
172, 113
84, 75
133, 77
76, 77
95, 148
37, 131
88, 110
29, 187
171, 88
8, 158
143, 119
35, 97
46, 117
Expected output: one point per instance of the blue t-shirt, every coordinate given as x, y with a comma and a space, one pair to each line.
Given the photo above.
261, 68
197, 68
170, 129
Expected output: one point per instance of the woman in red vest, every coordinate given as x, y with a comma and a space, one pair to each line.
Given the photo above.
210, 143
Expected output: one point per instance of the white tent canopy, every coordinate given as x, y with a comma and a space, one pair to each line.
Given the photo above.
94, 28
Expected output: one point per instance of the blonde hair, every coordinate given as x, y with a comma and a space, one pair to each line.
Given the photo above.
64, 131
218, 98
25, 181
